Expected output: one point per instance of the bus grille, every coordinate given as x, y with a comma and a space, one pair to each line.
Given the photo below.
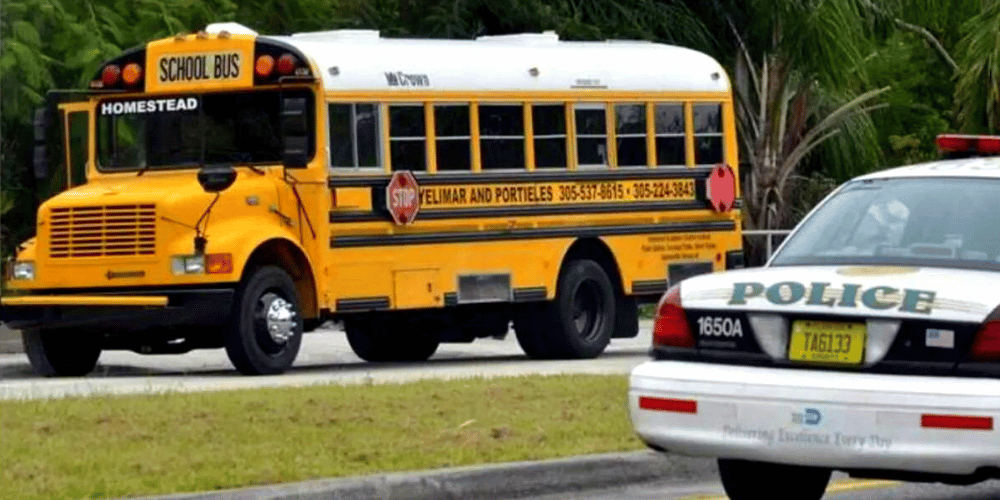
104, 231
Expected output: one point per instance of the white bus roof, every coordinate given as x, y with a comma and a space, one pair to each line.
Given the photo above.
363, 60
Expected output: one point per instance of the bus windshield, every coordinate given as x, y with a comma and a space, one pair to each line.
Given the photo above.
184, 131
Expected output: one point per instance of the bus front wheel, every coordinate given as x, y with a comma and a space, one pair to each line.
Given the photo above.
265, 331
61, 352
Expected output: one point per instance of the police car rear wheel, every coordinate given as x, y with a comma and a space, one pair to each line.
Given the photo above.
61, 352
747, 480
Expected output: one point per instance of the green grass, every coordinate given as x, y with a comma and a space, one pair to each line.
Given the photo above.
141, 445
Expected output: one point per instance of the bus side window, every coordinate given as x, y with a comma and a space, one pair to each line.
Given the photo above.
454, 142
707, 134
407, 136
670, 134
501, 128
591, 135
630, 125
549, 127
354, 135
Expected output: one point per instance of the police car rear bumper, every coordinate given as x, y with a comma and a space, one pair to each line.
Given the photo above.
847, 421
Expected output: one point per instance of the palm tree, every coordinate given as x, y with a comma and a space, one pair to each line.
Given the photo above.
977, 92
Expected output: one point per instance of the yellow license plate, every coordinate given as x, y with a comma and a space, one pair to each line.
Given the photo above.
827, 342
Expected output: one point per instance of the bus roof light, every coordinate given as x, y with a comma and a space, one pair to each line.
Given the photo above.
110, 74
264, 66
286, 64
132, 73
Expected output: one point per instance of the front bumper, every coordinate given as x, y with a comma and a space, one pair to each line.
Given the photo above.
119, 311
847, 421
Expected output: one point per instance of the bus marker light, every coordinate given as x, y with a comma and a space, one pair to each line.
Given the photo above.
132, 73
219, 263
264, 66
110, 74
286, 64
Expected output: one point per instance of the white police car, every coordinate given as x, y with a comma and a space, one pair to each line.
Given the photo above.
869, 343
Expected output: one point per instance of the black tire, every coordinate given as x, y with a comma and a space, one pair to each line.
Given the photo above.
576, 325
250, 346
390, 338
61, 352
747, 480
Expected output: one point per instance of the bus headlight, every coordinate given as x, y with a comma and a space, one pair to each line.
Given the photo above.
187, 264
24, 271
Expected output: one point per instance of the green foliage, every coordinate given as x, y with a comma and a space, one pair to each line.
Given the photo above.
977, 92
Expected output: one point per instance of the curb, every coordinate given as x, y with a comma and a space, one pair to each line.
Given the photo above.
507, 480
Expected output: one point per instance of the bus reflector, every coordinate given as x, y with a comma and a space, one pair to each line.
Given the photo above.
264, 66
132, 73
110, 74
662, 404
219, 263
286, 64
671, 328
956, 422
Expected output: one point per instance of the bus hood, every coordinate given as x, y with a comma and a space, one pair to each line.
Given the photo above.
872, 291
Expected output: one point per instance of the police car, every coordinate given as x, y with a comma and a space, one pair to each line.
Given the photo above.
869, 343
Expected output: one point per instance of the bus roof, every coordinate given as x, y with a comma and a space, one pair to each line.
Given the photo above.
363, 60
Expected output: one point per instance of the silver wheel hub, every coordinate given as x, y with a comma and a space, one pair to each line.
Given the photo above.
280, 320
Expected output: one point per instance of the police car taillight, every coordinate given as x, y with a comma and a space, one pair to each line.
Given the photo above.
952, 144
986, 344
671, 328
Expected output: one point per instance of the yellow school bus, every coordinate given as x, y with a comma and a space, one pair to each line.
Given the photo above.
227, 189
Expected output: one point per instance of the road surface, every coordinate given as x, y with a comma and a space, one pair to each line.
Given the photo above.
325, 357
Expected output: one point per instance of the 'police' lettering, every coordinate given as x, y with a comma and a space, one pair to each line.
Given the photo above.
878, 297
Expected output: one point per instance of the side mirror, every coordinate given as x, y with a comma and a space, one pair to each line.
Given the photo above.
216, 178
41, 154
295, 131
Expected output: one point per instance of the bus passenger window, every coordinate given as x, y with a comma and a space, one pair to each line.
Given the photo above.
406, 137
707, 134
670, 134
454, 142
591, 135
501, 129
630, 126
549, 126
354, 135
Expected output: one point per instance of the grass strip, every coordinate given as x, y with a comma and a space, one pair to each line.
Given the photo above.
117, 446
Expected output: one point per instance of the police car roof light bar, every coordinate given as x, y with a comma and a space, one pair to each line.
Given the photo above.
972, 144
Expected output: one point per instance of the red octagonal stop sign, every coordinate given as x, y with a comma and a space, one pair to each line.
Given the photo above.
402, 197
720, 188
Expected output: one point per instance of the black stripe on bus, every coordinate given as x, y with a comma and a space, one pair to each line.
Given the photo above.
526, 234
649, 287
525, 177
536, 210
363, 304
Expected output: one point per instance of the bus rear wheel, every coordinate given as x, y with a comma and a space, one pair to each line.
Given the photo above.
390, 338
61, 352
578, 323
265, 332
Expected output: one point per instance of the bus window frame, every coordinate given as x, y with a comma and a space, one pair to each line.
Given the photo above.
482, 137
380, 151
590, 105
468, 105
564, 136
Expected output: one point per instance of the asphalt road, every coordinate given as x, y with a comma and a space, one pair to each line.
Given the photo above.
841, 488
325, 357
